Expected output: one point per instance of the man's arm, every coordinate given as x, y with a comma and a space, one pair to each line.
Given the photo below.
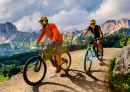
55, 33
40, 36
100, 31
86, 32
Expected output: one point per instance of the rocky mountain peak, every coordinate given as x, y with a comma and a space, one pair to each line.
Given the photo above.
123, 19
112, 25
7, 28
8, 31
110, 21
34, 33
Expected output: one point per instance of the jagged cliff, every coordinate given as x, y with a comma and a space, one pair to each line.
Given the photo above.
9, 33
112, 25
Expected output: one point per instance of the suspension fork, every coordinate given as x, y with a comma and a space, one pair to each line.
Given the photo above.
95, 50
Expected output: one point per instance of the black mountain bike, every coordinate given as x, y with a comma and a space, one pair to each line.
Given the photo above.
35, 68
92, 51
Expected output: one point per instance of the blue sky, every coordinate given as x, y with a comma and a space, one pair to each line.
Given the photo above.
66, 14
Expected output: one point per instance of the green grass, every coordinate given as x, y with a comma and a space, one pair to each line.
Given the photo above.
29, 65
118, 82
8, 67
2, 78
21, 67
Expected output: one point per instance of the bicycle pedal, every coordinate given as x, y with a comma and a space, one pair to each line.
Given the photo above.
36, 70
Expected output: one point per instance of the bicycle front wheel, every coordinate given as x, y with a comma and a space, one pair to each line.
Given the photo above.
34, 71
88, 61
65, 60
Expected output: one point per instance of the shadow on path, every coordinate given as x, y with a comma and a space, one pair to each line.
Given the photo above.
102, 62
36, 88
78, 78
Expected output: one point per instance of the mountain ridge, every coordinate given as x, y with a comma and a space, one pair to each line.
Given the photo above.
10, 34
8, 31
111, 26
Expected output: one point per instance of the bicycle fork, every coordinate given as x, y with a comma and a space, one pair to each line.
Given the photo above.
95, 52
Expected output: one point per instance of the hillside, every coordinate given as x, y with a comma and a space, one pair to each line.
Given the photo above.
74, 80
111, 26
13, 41
10, 34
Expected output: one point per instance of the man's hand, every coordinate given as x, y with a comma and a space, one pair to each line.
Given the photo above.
52, 43
82, 38
100, 38
36, 44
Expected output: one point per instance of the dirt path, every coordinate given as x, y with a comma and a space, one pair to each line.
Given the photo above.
75, 80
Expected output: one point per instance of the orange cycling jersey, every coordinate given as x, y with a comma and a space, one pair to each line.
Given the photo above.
52, 32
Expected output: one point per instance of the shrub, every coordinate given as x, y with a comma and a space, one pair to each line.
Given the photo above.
118, 82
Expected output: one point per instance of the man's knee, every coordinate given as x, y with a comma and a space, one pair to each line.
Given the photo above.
99, 44
57, 54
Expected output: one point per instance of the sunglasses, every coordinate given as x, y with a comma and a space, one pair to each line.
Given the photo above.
42, 21
92, 24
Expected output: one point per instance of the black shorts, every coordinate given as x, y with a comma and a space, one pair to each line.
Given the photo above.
96, 37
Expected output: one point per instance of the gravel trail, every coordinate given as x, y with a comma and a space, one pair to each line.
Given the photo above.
74, 80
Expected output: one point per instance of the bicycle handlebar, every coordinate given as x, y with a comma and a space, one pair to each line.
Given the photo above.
95, 39
100, 38
41, 44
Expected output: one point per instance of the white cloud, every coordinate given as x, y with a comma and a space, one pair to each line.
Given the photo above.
66, 14
29, 22
45, 3
13, 10
112, 9
21, 11
76, 18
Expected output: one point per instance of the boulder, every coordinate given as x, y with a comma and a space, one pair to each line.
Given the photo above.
122, 62
128, 43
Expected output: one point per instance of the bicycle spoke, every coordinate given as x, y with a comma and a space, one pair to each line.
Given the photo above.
88, 61
34, 71
100, 55
65, 60
63, 63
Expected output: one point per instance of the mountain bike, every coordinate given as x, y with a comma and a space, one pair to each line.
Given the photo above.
35, 68
92, 51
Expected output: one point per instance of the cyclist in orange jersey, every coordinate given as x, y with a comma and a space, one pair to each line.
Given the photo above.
55, 37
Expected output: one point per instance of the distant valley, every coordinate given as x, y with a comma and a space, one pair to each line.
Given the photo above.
12, 39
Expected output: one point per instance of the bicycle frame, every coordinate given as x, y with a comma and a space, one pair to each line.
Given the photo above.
48, 54
90, 46
90, 53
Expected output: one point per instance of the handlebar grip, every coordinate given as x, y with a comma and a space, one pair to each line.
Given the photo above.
98, 38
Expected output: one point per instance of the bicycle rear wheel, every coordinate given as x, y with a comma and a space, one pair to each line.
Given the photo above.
99, 53
65, 60
34, 71
88, 60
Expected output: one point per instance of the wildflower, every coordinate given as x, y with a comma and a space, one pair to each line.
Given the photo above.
126, 86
